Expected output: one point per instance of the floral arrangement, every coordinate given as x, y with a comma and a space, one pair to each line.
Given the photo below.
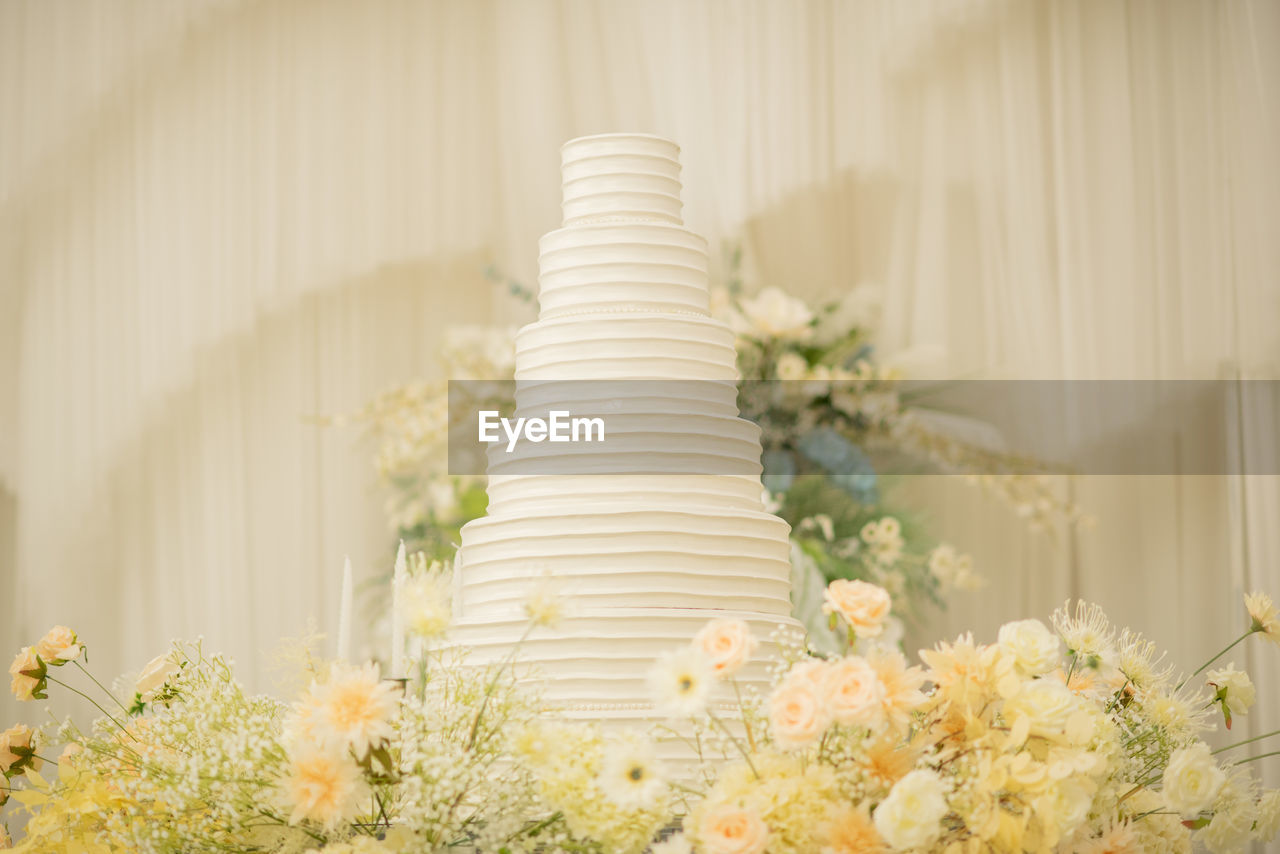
836, 401
1075, 738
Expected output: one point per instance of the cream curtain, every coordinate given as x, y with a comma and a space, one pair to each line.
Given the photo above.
220, 218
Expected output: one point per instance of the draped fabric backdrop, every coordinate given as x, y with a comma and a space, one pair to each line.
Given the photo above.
219, 219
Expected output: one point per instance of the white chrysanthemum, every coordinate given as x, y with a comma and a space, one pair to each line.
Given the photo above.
323, 788
1268, 815
1087, 632
1183, 713
911, 816
680, 682
1230, 830
356, 709
631, 776
1191, 780
1141, 661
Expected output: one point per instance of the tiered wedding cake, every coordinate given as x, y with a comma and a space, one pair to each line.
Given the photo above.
642, 559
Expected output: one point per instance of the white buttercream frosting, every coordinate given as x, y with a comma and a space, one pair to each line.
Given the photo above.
644, 558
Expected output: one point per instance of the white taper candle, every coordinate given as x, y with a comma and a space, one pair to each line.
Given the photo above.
344, 614
397, 618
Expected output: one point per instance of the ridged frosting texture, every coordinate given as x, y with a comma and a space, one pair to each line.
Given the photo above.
661, 527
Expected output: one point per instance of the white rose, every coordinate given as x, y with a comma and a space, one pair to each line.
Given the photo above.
1034, 648
1047, 704
1067, 803
154, 676
1235, 686
911, 817
773, 313
1192, 780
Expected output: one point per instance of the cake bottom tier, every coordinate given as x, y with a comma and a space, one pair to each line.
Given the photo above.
593, 666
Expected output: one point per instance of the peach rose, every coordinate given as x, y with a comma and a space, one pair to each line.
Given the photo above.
15, 748
727, 644
158, 671
811, 670
855, 693
28, 674
797, 713
59, 646
865, 607
730, 830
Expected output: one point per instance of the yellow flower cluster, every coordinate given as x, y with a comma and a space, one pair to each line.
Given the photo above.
778, 802
610, 794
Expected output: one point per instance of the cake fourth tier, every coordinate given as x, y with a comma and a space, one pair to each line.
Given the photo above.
660, 528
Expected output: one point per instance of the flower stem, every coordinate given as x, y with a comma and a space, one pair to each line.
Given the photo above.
745, 755
1248, 741
86, 672
1204, 666
1256, 758
737, 692
95, 703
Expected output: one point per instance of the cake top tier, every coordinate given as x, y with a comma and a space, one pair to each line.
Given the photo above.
629, 175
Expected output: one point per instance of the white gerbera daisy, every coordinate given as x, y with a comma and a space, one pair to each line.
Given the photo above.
631, 777
680, 682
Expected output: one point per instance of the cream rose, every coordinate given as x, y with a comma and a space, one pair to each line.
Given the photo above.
1067, 803
730, 830
15, 747
727, 644
911, 816
855, 693
59, 646
1192, 780
28, 674
1034, 648
1235, 688
1047, 704
797, 714
865, 607
158, 671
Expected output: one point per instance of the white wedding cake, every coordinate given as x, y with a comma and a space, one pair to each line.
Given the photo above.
659, 528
